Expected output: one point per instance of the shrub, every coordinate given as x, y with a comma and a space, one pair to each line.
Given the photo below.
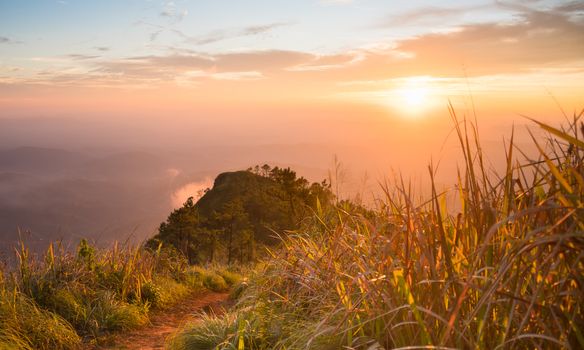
231, 278
112, 314
25, 325
215, 282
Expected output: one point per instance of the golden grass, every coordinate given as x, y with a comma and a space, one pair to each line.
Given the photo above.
505, 272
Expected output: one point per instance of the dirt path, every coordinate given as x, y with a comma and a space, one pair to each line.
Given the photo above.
166, 322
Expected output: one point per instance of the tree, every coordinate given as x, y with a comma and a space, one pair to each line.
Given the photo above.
183, 230
234, 221
240, 213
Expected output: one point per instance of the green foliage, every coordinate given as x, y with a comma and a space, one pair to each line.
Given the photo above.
217, 279
215, 282
182, 230
111, 314
164, 291
238, 330
209, 333
54, 301
504, 272
23, 325
231, 278
240, 212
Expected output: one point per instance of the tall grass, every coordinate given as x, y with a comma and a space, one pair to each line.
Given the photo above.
506, 271
62, 298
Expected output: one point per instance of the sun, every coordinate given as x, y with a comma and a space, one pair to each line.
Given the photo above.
412, 96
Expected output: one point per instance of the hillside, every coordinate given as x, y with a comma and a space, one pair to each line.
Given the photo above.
242, 210
263, 200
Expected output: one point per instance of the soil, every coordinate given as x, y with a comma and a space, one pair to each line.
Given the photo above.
164, 323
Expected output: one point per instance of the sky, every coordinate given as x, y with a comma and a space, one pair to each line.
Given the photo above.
367, 80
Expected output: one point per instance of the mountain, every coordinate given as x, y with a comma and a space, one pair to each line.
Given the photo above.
55, 194
40, 160
264, 201
243, 209
127, 165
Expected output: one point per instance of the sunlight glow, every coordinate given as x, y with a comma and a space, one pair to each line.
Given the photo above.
413, 96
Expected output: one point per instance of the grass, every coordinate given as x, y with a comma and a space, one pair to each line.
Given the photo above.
506, 271
216, 278
61, 299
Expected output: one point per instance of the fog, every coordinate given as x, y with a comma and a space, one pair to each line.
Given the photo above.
64, 178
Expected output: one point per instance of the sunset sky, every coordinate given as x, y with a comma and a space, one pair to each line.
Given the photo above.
346, 73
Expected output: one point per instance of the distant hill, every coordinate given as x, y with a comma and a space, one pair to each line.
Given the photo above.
243, 209
37, 160
133, 165
57, 194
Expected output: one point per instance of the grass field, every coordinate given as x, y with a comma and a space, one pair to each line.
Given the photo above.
506, 271
64, 299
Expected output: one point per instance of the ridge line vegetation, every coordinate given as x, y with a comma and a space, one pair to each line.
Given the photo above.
506, 271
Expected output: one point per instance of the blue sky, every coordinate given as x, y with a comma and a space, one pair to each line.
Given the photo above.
59, 27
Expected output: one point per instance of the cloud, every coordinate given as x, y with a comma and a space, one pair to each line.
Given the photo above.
102, 48
430, 15
255, 30
6, 40
268, 60
535, 40
194, 189
234, 76
328, 2
220, 35
328, 62
81, 57
147, 71
249, 65
171, 12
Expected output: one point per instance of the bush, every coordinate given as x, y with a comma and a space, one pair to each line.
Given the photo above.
231, 278
112, 314
215, 282
24, 325
237, 330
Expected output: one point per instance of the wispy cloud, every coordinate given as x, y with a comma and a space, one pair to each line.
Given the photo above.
431, 15
172, 12
336, 1
7, 40
535, 40
81, 57
328, 62
220, 35
210, 74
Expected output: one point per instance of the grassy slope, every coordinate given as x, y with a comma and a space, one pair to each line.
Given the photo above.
505, 272
62, 299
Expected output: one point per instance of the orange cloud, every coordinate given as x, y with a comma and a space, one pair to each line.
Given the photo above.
541, 46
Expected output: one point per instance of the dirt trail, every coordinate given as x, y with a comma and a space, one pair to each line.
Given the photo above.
165, 322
